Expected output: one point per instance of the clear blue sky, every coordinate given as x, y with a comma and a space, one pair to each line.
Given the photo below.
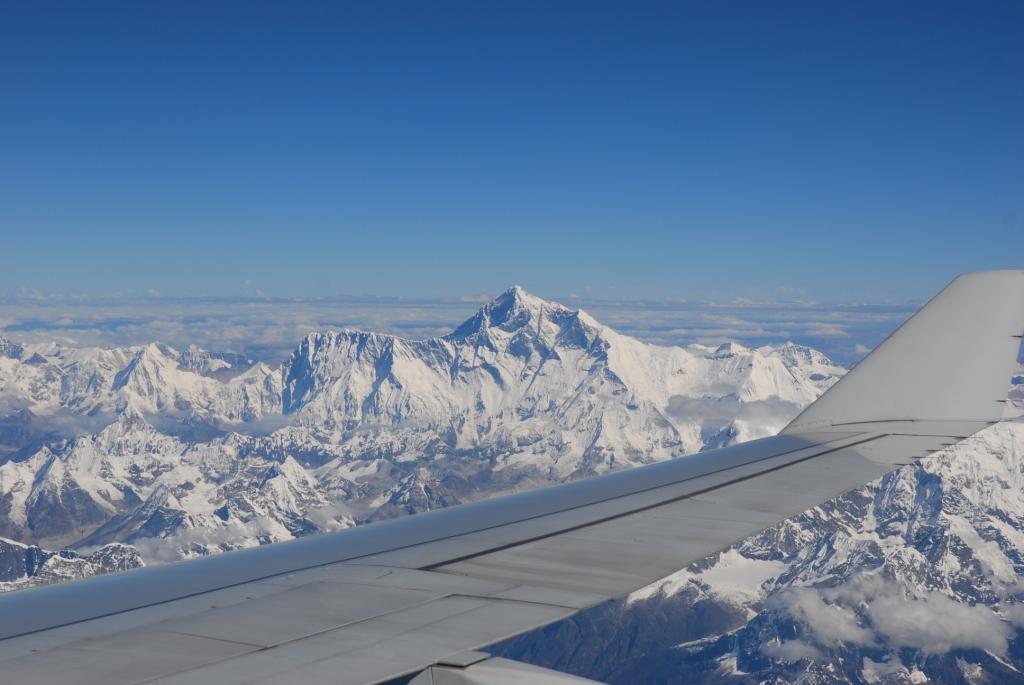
854, 150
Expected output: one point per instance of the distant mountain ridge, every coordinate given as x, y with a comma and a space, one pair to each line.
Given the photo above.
23, 566
192, 452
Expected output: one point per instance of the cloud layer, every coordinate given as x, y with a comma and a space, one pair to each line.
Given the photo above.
268, 329
874, 612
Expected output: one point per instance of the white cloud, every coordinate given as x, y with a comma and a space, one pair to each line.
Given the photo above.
936, 624
716, 412
831, 625
880, 671
791, 650
1014, 613
270, 328
871, 611
827, 330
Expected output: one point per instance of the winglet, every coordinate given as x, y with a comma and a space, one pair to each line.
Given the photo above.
951, 361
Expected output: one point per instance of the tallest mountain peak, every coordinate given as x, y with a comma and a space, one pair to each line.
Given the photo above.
517, 296
515, 291
513, 309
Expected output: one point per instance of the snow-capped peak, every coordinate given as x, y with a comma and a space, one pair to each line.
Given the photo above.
147, 367
10, 349
729, 349
129, 420
513, 310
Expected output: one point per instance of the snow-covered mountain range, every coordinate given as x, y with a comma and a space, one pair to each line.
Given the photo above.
24, 566
183, 453
149, 454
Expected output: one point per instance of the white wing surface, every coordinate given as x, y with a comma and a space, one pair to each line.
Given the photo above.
413, 599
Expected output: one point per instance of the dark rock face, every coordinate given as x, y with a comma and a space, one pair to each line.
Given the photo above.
16, 428
61, 511
624, 642
28, 565
220, 365
16, 560
10, 349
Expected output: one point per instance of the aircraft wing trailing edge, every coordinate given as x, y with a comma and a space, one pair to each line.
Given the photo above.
415, 599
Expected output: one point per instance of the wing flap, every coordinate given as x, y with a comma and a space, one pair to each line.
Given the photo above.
382, 615
383, 647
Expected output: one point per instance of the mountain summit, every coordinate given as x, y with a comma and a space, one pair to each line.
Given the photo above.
514, 309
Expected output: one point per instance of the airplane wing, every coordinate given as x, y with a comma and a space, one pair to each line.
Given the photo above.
412, 600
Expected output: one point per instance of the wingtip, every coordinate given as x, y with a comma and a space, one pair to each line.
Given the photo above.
946, 363
993, 273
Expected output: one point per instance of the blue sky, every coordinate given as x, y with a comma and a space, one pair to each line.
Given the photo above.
630, 150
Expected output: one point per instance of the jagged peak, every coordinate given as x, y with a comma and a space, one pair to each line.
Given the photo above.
153, 355
511, 310
159, 350
330, 336
129, 420
196, 359
588, 320
790, 346
289, 469
194, 356
150, 352
257, 370
729, 348
9, 348
522, 298
793, 351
